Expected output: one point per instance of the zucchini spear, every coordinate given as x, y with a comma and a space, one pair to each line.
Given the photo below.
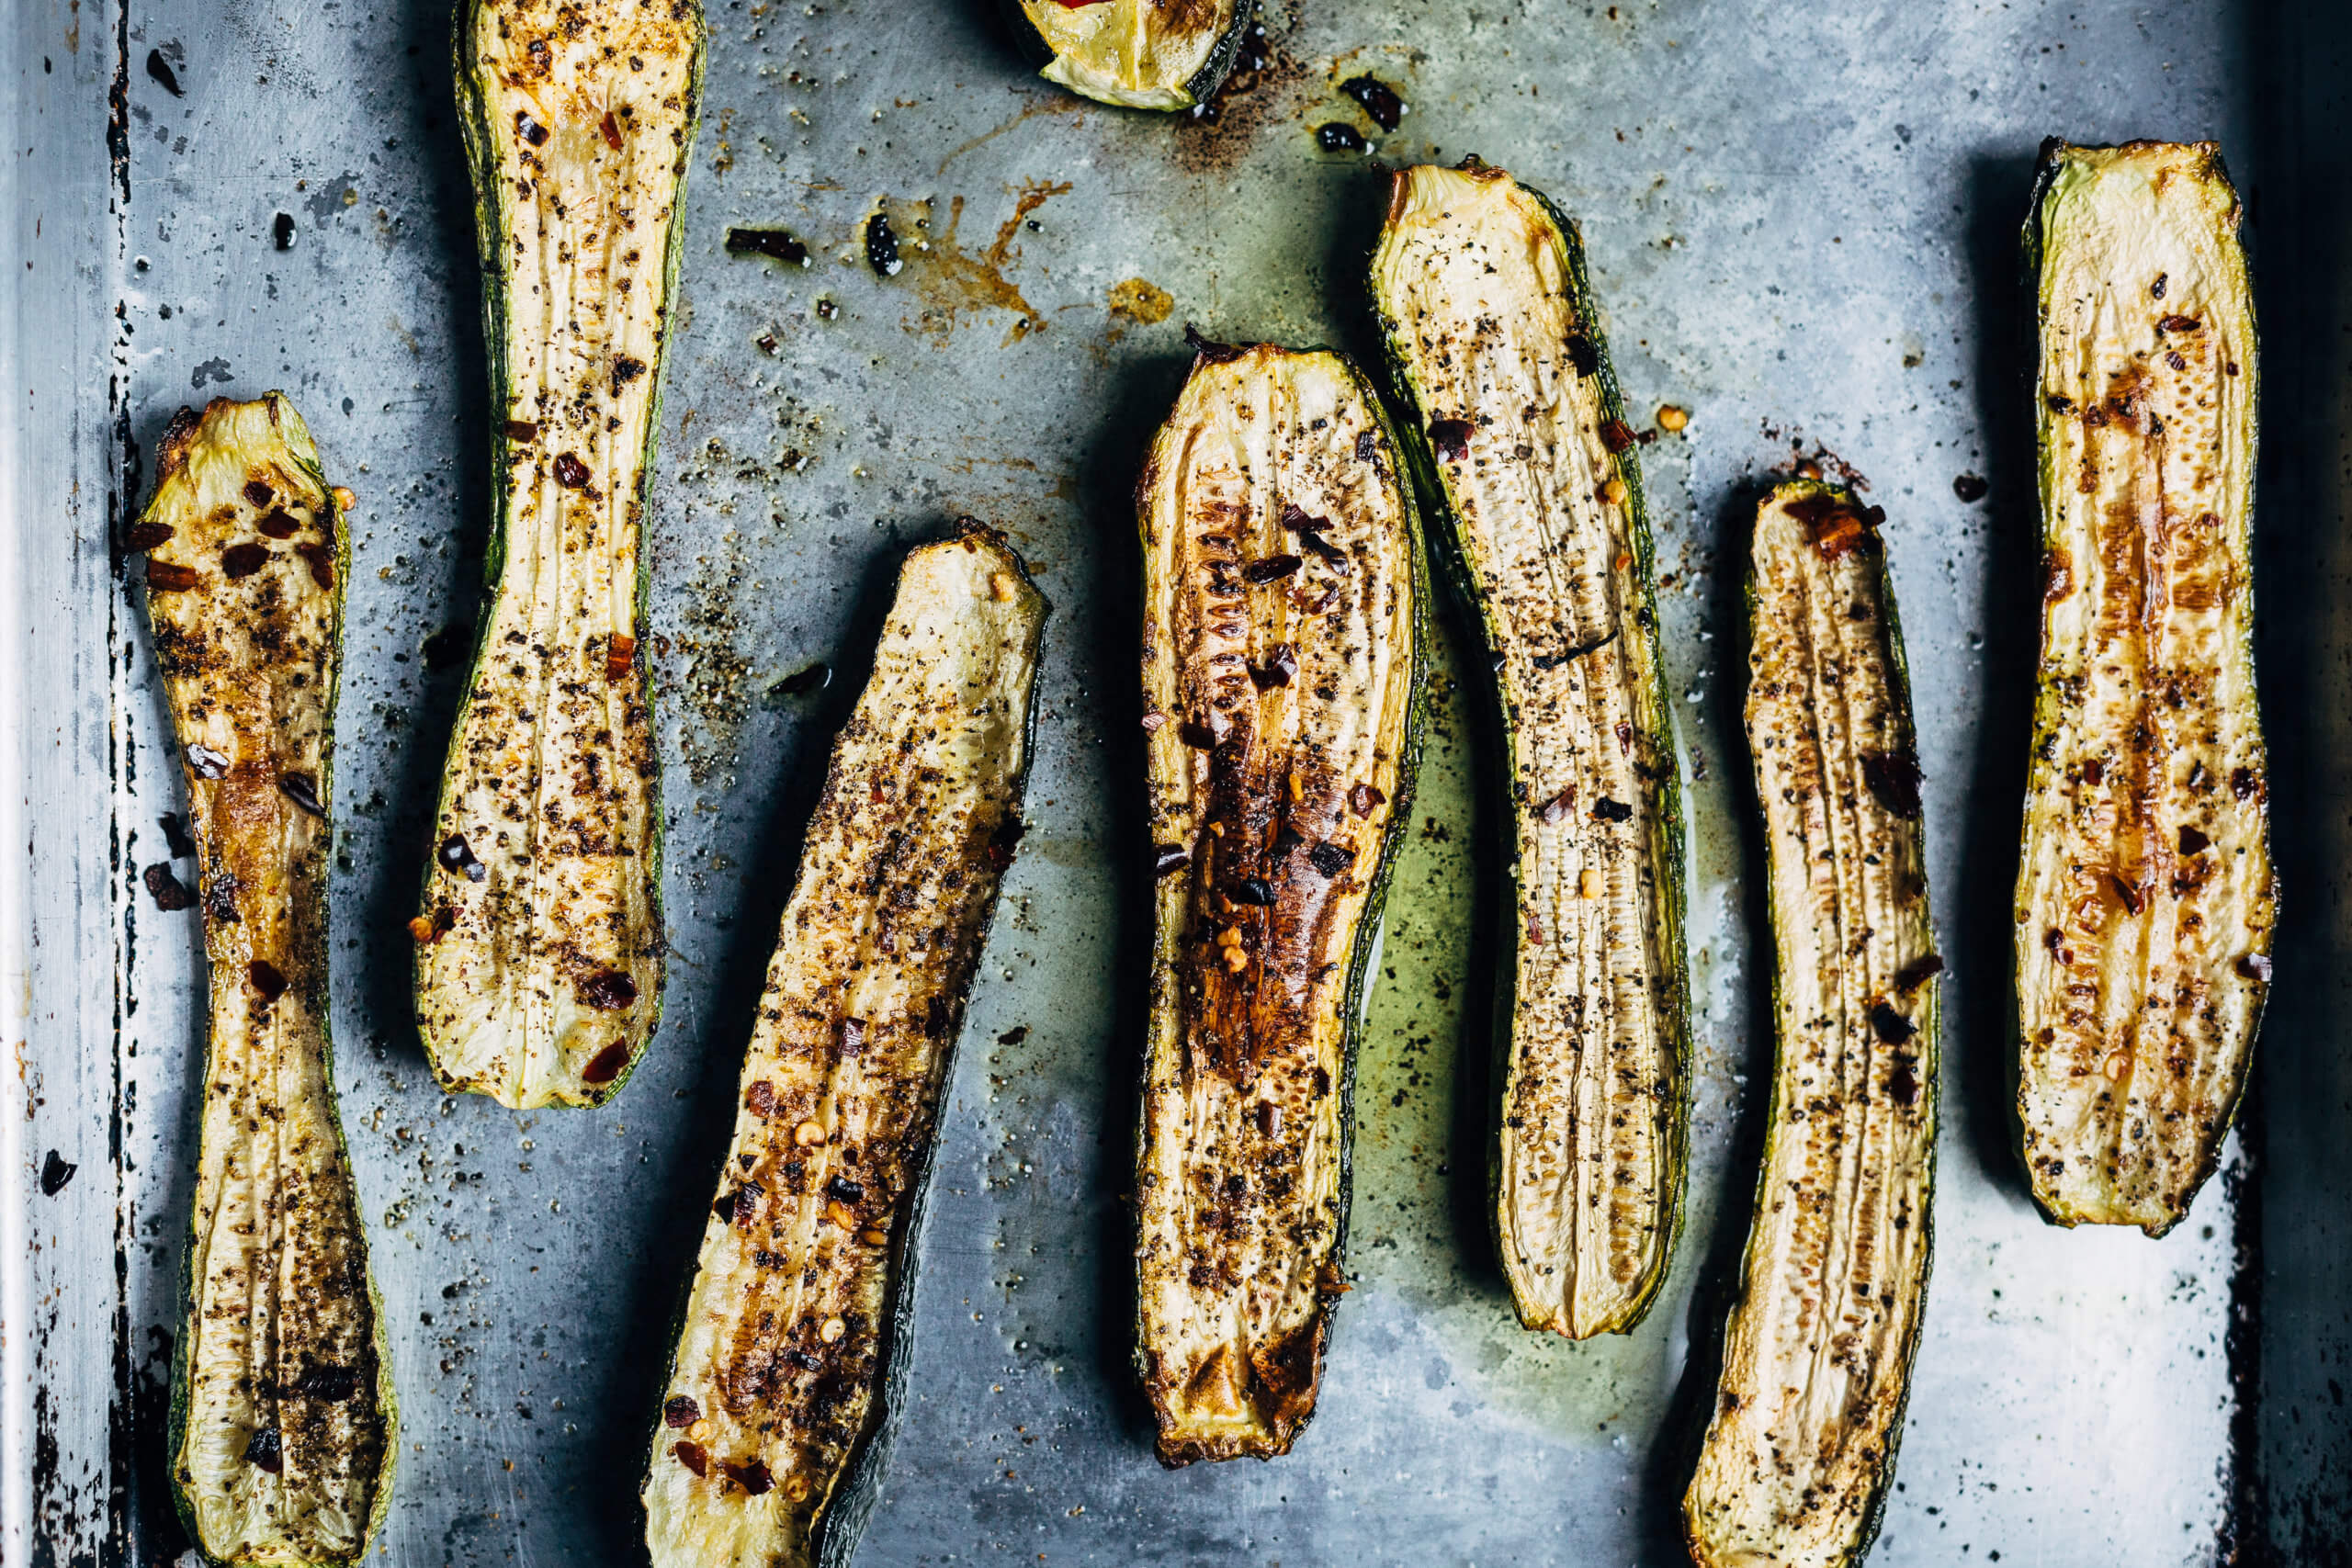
1283, 649
1495, 342
1818, 1358
2146, 895
282, 1426
539, 946
785, 1382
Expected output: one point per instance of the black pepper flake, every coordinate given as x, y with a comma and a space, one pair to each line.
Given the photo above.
1330, 859
1893, 779
207, 763
680, 1410
1272, 568
882, 247
1450, 439
1608, 811
456, 854
299, 789
56, 1170
1167, 858
1890, 1025
569, 472
842, 1188
1583, 354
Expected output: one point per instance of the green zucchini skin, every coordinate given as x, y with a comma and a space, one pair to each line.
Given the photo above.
248, 557
539, 952
1799, 1453
788, 1374
1584, 607
2144, 870
1246, 1107
1189, 76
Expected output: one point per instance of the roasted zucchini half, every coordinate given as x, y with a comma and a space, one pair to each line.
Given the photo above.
2145, 894
1282, 649
1495, 345
1816, 1362
788, 1368
283, 1431
539, 946
1138, 54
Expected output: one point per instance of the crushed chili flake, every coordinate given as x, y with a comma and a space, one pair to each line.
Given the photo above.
143, 536
259, 492
608, 990
2180, 324
1617, 436
606, 1065
612, 130
1167, 858
1894, 778
2192, 840
1557, 808
1890, 1025
1450, 439
2256, 967
569, 472
620, 655
299, 789
321, 563
1272, 568
1281, 666
207, 763
680, 1411
1364, 799
692, 1456
1918, 972
266, 980
169, 577
760, 1099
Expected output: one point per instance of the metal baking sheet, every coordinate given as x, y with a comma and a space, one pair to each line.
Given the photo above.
1801, 220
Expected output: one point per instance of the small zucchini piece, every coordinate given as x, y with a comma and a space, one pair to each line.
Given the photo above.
789, 1366
2145, 894
538, 949
1495, 342
282, 1430
1816, 1364
1283, 657
1137, 55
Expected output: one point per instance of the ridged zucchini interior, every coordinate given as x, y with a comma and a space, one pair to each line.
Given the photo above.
539, 945
2146, 895
283, 1431
1282, 655
1816, 1364
1495, 340
784, 1386
1138, 54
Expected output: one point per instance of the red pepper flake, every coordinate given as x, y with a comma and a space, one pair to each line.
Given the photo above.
321, 561
2244, 784
144, 536
521, 432
259, 493
1890, 1025
692, 1456
207, 763
612, 130
1364, 799
1557, 808
2095, 772
620, 655
1625, 738
606, 1065
1608, 811
1617, 436
300, 789
169, 577
530, 129
2057, 576
1918, 972
265, 979
1272, 568
1199, 737
2133, 899
1168, 858
241, 560
2192, 840
1153, 720
169, 893
760, 1099
608, 990
265, 1450
278, 524
1534, 929
1893, 779
1450, 439
1281, 666
2256, 967
569, 472
680, 1410
1903, 1083
2180, 324
751, 1476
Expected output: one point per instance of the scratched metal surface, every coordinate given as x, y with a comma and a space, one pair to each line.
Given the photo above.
1801, 220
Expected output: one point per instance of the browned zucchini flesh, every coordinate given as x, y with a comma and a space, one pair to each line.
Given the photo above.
1800, 1450
784, 1388
2146, 895
1281, 659
283, 1434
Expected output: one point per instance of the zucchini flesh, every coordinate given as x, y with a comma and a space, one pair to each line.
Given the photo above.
283, 1429
1818, 1357
1138, 54
2145, 893
1495, 340
539, 946
776, 1419
1282, 660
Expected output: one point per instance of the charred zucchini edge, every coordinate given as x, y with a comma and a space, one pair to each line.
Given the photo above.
1668, 853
